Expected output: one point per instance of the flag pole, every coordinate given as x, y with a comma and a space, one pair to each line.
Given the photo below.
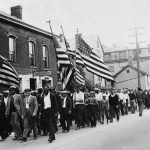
49, 22
75, 59
63, 39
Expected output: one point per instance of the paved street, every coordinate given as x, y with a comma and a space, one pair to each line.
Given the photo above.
131, 133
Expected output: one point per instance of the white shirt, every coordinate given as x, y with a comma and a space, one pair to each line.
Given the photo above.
121, 96
99, 97
47, 101
107, 97
27, 102
78, 97
125, 97
64, 102
5, 100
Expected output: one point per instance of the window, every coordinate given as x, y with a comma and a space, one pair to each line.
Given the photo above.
114, 56
122, 55
128, 71
12, 48
32, 53
45, 56
111, 68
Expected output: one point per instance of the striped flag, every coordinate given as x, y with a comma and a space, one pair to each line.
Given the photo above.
79, 77
68, 75
92, 62
62, 56
79, 60
77, 56
8, 75
64, 64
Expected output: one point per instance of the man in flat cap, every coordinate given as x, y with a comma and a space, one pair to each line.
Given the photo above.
49, 110
140, 100
92, 109
99, 98
14, 109
29, 113
66, 109
79, 107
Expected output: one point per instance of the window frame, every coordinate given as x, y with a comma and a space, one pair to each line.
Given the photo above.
12, 52
32, 54
46, 56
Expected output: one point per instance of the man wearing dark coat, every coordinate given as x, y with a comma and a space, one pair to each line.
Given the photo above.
13, 109
49, 110
29, 110
113, 105
66, 107
3, 132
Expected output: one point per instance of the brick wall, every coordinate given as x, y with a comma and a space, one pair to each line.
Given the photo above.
22, 51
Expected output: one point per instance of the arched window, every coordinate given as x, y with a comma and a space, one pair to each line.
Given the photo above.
32, 53
45, 56
12, 48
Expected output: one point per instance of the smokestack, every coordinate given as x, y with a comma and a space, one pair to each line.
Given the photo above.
16, 11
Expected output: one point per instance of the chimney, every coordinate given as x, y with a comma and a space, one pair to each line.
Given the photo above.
16, 11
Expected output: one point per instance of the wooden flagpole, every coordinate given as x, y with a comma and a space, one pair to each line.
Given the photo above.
49, 22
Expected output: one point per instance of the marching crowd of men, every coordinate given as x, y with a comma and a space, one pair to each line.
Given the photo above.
41, 112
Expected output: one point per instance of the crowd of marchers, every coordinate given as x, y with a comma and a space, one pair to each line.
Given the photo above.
44, 111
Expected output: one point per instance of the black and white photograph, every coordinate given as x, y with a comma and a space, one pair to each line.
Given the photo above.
74, 74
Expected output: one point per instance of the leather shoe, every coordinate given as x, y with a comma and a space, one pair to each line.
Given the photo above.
50, 140
24, 140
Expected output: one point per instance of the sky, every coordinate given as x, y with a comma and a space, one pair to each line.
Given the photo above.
110, 19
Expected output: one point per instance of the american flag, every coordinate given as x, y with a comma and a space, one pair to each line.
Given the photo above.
8, 75
82, 46
77, 56
92, 62
79, 78
64, 65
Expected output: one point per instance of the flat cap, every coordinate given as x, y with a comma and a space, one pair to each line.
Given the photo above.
65, 92
12, 87
92, 92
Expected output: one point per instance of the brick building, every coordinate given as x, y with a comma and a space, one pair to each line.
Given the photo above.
29, 49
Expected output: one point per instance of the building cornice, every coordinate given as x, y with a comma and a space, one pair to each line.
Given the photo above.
13, 20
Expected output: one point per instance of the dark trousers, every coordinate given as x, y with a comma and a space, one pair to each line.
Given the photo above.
87, 115
79, 114
49, 116
8, 125
126, 108
15, 122
65, 119
133, 105
140, 104
93, 112
38, 122
114, 112
29, 123
105, 112
2, 127
122, 107
99, 112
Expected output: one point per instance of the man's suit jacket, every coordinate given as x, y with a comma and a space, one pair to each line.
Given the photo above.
53, 100
68, 104
33, 105
17, 103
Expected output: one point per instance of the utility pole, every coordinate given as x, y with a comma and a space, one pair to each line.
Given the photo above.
137, 51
